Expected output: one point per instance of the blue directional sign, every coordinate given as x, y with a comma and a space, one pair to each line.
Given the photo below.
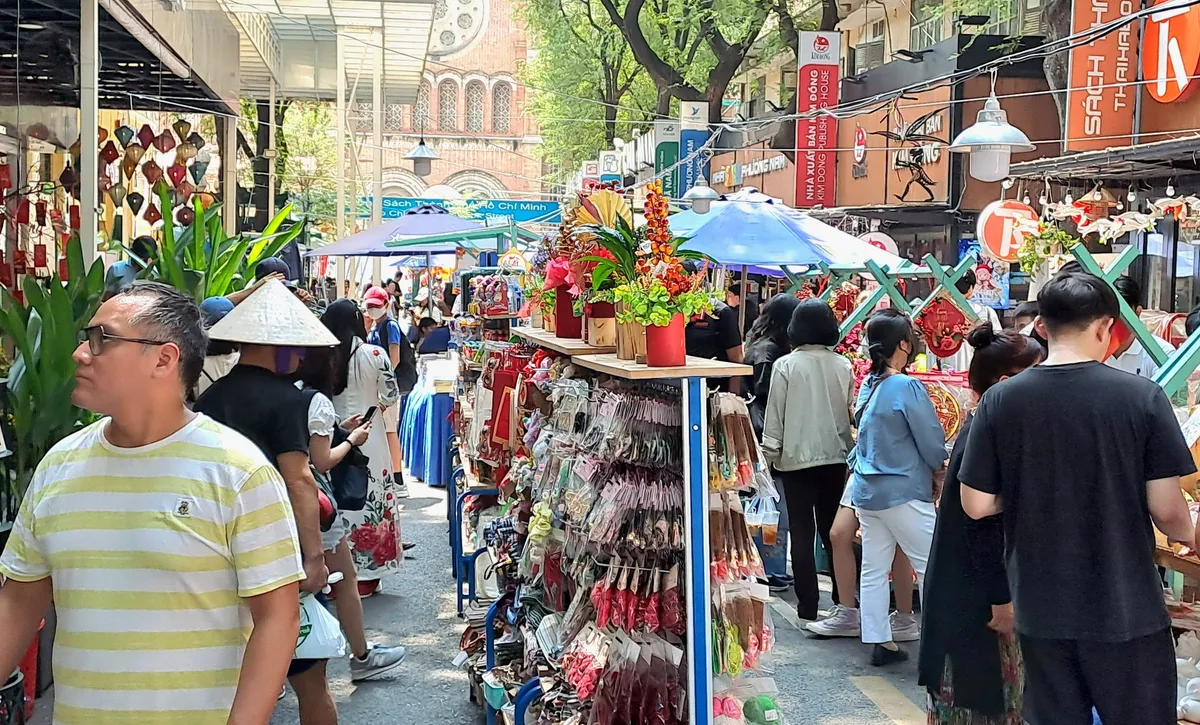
548, 212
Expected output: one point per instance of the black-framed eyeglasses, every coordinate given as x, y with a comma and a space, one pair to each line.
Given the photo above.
97, 338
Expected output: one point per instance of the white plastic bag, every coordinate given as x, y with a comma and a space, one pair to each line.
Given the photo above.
320, 634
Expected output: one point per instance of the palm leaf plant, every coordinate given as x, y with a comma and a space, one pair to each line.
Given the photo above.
44, 329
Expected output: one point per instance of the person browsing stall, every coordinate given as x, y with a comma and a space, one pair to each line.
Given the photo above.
961, 360
385, 334
1132, 356
1079, 529
715, 336
970, 659
164, 539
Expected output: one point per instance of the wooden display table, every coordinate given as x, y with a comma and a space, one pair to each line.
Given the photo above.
564, 345
699, 367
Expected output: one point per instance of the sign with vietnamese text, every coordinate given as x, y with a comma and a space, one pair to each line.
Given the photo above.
1102, 77
816, 137
547, 212
693, 135
735, 174
666, 155
1171, 51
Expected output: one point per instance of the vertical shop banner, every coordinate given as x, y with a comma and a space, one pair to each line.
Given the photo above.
610, 168
817, 86
666, 155
1102, 77
693, 134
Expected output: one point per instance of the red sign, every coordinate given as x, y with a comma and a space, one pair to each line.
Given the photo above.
997, 228
39, 255
1171, 52
817, 88
860, 144
19, 262
1102, 78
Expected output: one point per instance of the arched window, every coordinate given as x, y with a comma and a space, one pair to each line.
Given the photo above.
421, 110
475, 94
448, 106
502, 108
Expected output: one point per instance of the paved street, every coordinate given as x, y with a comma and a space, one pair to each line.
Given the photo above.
821, 682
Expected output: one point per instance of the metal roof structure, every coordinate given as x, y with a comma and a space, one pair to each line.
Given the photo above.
294, 43
1146, 161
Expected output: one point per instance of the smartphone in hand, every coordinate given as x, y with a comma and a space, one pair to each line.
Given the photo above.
369, 414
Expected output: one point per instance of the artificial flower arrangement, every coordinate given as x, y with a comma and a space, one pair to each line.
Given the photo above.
535, 291
644, 269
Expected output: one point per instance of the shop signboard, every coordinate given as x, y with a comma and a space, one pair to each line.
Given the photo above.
1102, 77
997, 230
548, 212
1171, 52
817, 88
693, 134
735, 175
991, 276
591, 175
666, 155
879, 240
610, 168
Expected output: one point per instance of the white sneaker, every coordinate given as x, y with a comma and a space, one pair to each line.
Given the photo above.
377, 661
905, 627
401, 490
841, 622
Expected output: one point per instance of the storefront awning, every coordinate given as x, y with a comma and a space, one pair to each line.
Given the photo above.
1158, 160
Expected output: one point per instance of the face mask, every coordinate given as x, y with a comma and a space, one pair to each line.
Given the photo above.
376, 313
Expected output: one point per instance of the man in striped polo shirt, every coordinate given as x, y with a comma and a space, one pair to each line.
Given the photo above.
165, 540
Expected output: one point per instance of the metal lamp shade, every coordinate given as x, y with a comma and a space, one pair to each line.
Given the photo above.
422, 157
702, 196
991, 141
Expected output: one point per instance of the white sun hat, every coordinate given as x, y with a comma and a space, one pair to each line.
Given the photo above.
272, 315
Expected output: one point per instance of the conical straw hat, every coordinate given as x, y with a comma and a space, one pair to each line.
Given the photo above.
273, 316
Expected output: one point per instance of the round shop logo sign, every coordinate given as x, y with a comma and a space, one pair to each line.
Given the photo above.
879, 240
999, 234
860, 144
820, 44
1171, 52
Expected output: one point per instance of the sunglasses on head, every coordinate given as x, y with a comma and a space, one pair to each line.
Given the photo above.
98, 339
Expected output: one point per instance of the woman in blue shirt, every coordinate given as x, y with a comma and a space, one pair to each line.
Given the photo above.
899, 448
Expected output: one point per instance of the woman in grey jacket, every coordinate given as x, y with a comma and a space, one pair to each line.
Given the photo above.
806, 437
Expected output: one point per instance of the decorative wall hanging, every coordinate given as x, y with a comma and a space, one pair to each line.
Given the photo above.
164, 142
913, 158
146, 135
135, 201
152, 171
185, 152
181, 128
5, 177
68, 178
101, 134
124, 135
109, 153
39, 212
185, 216
176, 173
196, 140
198, 169
185, 191
152, 215
943, 326
39, 253
117, 194
74, 216
134, 153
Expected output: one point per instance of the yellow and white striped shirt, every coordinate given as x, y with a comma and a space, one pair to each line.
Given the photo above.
153, 551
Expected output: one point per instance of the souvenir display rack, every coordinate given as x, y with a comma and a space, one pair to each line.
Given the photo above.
557, 392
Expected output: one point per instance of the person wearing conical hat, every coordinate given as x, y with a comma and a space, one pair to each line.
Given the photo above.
258, 399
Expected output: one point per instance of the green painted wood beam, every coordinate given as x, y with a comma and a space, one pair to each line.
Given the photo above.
946, 278
1128, 315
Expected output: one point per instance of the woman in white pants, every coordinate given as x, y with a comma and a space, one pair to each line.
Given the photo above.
900, 446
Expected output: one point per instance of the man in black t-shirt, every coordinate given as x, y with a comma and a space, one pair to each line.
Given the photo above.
716, 336
1081, 458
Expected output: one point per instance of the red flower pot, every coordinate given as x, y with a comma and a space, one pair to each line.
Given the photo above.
567, 323
665, 346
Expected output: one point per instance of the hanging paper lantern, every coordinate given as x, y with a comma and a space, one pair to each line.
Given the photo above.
134, 153
117, 194
124, 134
40, 131
135, 201
152, 215
196, 140
185, 152
182, 128
152, 171
185, 191
19, 262
68, 178
206, 199
128, 168
176, 173
39, 255
185, 216
5, 178
57, 223
74, 212
39, 212
103, 184
101, 134
22, 215
109, 153
165, 142
943, 326
198, 169
146, 135
76, 148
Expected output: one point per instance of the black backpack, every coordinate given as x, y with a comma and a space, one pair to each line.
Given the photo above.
350, 479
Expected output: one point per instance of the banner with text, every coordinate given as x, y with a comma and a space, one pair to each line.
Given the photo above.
693, 134
546, 212
666, 155
1102, 78
817, 86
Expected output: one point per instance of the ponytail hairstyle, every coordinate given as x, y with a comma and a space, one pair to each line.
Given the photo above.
886, 329
999, 354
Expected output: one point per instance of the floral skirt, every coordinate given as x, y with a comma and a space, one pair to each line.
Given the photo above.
941, 712
373, 534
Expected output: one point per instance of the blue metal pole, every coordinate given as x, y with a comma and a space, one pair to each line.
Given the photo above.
699, 588
529, 692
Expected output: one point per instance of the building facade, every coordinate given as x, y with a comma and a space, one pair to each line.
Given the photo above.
469, 109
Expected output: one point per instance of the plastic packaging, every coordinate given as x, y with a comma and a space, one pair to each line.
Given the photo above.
320, 634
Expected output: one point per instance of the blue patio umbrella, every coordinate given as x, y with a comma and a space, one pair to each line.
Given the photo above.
760, 233
424, 221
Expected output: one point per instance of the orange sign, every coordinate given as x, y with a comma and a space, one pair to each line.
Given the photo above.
1171, 52
997, 228
1102, 78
